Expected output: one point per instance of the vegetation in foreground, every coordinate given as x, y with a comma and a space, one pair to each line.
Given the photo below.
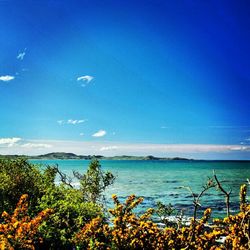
49, 216
72, 208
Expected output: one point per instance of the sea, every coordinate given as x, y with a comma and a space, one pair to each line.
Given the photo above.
170, 182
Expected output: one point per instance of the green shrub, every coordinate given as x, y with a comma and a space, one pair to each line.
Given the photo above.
72, 208
94, 182
71, 213
19, 177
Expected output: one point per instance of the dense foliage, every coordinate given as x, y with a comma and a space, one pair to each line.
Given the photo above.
129, 231
19, 231
71, 207
94, 182
19, 177
63, 217
71, 213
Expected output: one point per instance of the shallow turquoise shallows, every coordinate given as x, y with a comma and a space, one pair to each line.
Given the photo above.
164, 181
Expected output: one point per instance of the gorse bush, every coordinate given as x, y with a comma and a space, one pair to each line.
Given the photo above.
236, 227
62, 217
72, 208
129, 231
19, 231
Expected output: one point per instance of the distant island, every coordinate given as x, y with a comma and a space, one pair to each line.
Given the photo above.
71, 156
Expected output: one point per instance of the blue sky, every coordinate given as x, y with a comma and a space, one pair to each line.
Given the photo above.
169, 78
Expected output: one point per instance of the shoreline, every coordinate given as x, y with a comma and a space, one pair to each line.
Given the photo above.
71, 156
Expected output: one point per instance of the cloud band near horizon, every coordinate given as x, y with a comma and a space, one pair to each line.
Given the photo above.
34, 147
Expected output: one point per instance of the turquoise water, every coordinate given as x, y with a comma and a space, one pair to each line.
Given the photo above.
163, 181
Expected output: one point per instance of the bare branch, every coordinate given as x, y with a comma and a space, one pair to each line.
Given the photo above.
77, 175
196, 197
64, 178
227, 194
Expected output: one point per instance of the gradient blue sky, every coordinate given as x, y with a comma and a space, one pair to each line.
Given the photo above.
169, 78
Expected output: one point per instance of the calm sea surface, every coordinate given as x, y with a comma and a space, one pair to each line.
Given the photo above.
163, 181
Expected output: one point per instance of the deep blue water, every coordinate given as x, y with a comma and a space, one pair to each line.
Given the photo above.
164, 181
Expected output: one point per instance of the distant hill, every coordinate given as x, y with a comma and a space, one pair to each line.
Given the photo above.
13, 156
58, 155
72, 156
64, 156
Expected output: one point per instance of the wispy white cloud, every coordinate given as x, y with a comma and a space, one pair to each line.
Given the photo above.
36, 145
22, 146
7, 78
86, 79
21, 55
200, 151
99, 133
60, 122
107, 148
9, 142
18, 142
71, 121
163, 127
240, 148
181, 148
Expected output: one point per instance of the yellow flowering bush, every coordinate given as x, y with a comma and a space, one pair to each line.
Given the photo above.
129, 231
236, 228
133, 232
19, 231
94, 235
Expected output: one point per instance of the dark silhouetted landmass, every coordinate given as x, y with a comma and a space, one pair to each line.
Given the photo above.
71, 156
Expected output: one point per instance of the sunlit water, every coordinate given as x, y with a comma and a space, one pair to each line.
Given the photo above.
164, 181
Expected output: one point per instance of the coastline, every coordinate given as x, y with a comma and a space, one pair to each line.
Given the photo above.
72, 156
